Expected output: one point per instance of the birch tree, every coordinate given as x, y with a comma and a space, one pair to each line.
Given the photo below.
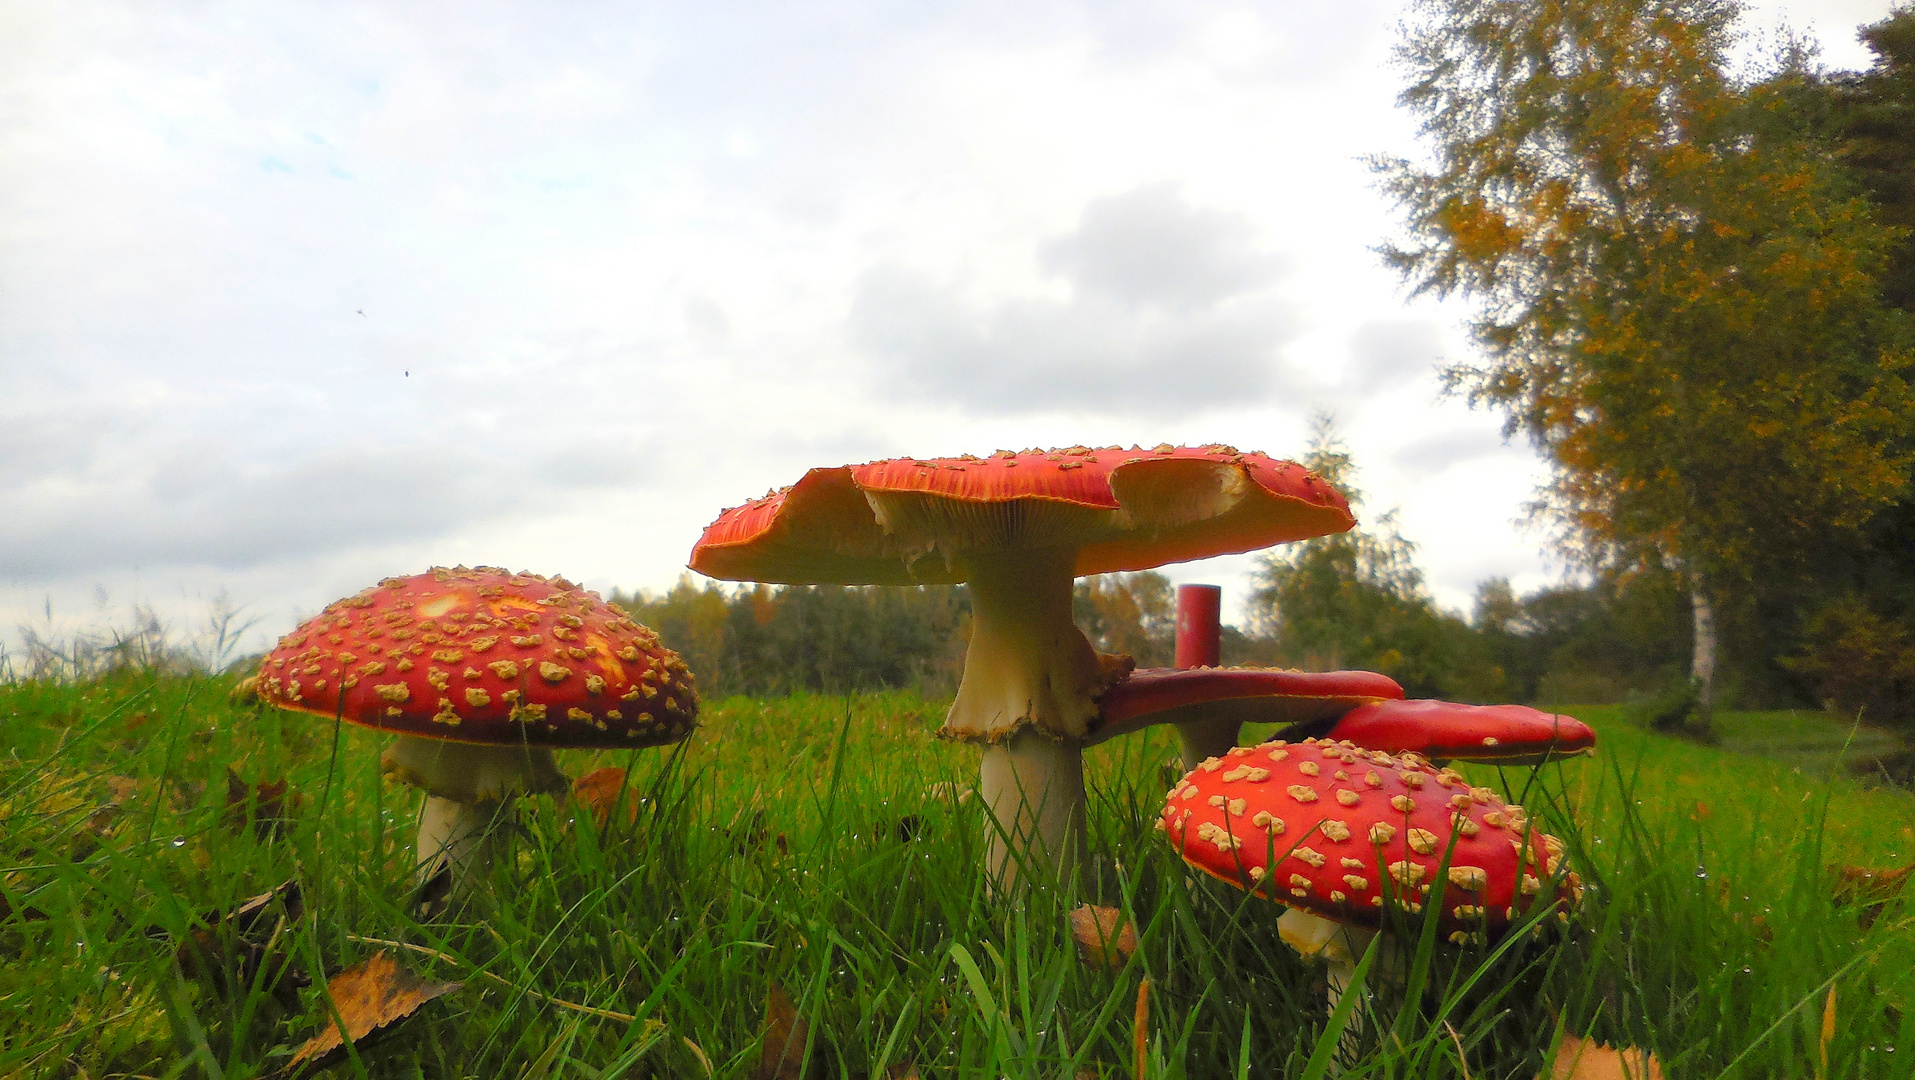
1679, 309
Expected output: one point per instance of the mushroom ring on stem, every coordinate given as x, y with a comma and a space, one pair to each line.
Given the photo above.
1017, 529
1341, 833
482, 673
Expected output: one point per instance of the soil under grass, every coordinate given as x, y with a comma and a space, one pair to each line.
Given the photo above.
824, 845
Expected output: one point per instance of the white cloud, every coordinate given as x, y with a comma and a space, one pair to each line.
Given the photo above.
622, 267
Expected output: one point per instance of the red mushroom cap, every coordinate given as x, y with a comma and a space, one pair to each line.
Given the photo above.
904, 521
484, 656
1248, 695
1512, 734
1342, 831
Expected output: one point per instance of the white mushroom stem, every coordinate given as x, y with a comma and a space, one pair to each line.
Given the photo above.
458, 835
1034, 787
1028, 663
1339, 946
469, 789
1031, 681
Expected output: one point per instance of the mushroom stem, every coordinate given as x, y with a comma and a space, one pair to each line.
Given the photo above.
470, 788
1034, 787
1027, 663
1339, 946
1030, 688
457, 835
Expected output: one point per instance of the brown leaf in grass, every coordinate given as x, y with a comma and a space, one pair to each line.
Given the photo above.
599, 789
1871, 889
268, 805
785, 1033
903, 1070
370, 998
1103, 938
1828, 1036
1586, 1059
233, 947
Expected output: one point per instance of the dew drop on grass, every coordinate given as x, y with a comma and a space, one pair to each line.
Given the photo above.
1702, 871
1746, 970
179, 841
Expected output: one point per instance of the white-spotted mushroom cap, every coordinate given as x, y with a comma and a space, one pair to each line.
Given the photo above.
1343, 832
911, 521
1016, 529
484, 656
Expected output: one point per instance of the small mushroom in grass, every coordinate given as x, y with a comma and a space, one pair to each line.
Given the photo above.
1340, 834
481, 673
1016, 529
1447, 731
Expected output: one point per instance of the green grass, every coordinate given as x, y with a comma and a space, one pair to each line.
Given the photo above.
819, 843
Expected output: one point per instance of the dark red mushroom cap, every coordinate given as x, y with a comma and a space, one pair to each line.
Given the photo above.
1342, 831
905, 521
484, 656
1511, 734
1247, 695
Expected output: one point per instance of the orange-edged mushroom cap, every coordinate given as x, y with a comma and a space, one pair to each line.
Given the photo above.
1511, 734
1342, 831
909, 521
1247, 695
484, 656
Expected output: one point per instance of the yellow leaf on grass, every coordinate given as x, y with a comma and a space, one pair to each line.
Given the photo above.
599, 789
370, 998
1103, 938
1586, 1059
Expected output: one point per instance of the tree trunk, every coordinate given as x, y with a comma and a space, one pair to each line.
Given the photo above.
1702, 662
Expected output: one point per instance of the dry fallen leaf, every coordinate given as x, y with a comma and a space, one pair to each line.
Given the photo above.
1872, 889
785, 1035
599, 789
1586, 1059
1103, 938
233, 946
370, 998
1828, 1036
1140, 1029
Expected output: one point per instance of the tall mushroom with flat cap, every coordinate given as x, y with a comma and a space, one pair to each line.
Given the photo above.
481, 673
1017, 529
1339, 833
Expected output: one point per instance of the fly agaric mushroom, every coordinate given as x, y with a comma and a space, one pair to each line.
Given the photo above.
1217, 702
1211, 707
1209, 704
481, 673
1447, 731
1339, 834
1016, 529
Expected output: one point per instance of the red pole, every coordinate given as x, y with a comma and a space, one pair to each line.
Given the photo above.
1199, 625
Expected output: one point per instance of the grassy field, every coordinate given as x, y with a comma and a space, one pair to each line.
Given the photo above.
821, 844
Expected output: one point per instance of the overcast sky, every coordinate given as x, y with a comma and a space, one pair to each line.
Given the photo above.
295, 296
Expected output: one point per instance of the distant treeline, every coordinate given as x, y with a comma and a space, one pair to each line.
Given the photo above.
1604, 642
